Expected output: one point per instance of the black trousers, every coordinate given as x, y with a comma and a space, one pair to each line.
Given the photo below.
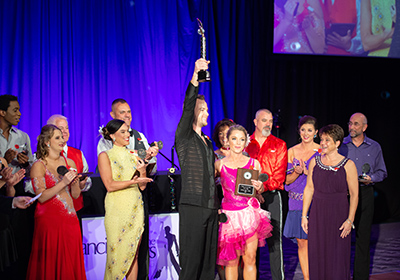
22, 223
273, 204
143, 256
363, 224
198, 240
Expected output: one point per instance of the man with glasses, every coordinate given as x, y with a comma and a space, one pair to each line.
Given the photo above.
367, 155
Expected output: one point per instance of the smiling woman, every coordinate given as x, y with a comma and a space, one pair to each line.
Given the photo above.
299, 158
247, 225
124, 219
57, 228
331, 177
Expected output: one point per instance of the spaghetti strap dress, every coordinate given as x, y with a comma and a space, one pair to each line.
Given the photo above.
246, 220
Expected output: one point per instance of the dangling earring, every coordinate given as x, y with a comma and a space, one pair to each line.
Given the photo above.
48, 145
113, 139
315, 135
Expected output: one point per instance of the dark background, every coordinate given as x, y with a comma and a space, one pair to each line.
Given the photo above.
332, 89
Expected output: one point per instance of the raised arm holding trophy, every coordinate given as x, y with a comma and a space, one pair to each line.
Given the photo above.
203, 75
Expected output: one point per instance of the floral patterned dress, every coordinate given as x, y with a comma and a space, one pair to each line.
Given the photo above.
124, 218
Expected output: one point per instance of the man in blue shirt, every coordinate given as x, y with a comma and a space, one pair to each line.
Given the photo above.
366, 154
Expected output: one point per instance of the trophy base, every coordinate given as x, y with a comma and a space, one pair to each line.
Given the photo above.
203, 76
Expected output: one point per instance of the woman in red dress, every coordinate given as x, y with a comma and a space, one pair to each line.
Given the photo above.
57, 242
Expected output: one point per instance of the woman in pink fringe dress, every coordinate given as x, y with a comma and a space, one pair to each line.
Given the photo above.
247, 225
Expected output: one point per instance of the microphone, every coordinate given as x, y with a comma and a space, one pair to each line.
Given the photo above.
263, 177
222, 218
62, 170
365, 169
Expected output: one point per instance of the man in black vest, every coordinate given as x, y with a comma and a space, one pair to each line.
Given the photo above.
121, 110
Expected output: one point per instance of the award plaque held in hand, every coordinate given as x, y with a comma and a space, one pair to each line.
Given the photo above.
202, 75
244, 187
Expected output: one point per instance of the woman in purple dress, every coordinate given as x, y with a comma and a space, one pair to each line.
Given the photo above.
247, 224
299, 158
330, 178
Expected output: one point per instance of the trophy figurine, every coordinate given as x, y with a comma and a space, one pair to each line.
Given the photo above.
202, 75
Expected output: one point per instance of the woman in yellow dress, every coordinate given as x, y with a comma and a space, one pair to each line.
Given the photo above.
378, 18
124, 218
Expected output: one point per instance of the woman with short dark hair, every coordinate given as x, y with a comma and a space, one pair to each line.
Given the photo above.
331, 177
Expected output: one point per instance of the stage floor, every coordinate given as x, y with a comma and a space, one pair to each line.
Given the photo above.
385, 255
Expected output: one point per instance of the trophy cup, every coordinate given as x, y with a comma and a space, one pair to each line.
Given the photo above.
202, 75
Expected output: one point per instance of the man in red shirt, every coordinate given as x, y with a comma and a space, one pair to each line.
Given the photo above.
271, 152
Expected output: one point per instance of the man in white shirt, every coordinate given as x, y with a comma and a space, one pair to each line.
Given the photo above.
121, 110
15, 145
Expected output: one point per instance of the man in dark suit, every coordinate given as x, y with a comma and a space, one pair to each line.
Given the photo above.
9, 203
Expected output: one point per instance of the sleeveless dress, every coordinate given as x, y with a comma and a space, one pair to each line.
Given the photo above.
329, 254
246, 220
383, 16
57, 243
124, 218
295, 191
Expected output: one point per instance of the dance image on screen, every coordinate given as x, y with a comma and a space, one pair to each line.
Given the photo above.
336, 27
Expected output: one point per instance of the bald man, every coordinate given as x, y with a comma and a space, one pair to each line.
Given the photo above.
363, 151
271, 152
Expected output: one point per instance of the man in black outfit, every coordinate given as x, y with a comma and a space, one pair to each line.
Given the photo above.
198, 206
9, 203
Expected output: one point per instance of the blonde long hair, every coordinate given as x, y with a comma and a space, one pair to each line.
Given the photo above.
47, 132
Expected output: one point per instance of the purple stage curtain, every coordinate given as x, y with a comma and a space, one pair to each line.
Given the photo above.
74, 57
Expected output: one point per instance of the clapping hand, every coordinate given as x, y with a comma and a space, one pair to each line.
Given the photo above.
12, 179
